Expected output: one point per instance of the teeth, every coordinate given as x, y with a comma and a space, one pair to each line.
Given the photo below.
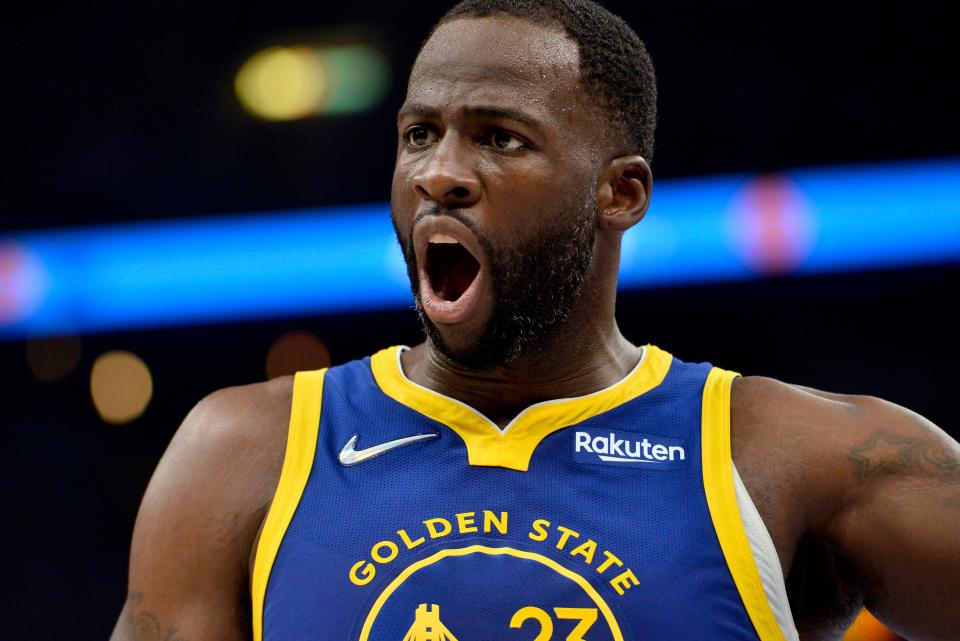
442, 239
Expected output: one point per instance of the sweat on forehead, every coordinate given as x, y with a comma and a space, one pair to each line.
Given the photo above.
615, 70
500, 61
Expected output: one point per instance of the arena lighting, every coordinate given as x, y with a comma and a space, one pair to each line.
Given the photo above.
292, 82
346, 259
121, 386
53, 358
296, 351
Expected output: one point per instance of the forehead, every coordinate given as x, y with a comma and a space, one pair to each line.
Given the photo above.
496, 60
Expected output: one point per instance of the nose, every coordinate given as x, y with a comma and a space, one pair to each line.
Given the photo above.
447, 176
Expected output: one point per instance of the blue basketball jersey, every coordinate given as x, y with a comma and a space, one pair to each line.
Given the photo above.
404, 515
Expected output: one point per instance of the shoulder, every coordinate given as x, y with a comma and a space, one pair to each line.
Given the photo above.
830, 443
823, 426
765, 408
817, 457
248, 421
869, 488
234, 439
241, 415
202, 510
217, 477
760, 396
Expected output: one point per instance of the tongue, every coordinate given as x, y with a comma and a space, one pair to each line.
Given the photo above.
451, 269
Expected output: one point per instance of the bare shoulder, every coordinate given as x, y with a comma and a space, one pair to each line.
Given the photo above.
224, 461
859, 438
231, 445
237, 425
784, 437
201, 514
862, 498
831, 445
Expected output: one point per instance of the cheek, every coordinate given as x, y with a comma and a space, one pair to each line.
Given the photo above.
400, 178
402, 201
527, 200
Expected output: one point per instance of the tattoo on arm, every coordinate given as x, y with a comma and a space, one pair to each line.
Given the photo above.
884, 453
145, 625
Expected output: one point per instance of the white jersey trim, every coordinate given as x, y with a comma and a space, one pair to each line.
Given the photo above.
766, 558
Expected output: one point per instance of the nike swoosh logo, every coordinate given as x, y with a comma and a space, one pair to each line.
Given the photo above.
349, 456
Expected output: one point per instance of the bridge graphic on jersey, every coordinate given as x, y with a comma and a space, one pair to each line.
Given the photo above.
427, 625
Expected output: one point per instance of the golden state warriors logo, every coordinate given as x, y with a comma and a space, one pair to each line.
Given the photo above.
427, 626
484, 593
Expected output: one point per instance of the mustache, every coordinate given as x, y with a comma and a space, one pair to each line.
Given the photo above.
457, 214
438, 210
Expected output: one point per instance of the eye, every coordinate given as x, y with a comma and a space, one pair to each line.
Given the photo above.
506, 141
419, 136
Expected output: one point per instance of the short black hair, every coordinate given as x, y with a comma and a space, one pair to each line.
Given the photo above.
614, 63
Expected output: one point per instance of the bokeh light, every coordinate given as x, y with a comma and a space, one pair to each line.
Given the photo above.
359, 78
288, 83
772, 225
867, 628
281, 83
121, 386
23, 282
53, 358
296, 351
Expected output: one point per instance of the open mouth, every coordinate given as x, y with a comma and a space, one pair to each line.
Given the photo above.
454, 286
450, 268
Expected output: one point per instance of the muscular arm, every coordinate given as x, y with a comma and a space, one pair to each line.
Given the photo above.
863, 499
899, 523
200, 516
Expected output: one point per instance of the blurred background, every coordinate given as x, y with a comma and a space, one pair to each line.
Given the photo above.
194, 196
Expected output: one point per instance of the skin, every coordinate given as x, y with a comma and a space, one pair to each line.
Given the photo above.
861, 497
508, 193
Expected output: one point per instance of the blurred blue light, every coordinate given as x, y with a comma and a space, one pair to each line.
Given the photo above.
346, 259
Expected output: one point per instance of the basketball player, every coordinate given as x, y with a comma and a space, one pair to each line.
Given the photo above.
526, 473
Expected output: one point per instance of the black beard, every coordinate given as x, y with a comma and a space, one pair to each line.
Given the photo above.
535, 287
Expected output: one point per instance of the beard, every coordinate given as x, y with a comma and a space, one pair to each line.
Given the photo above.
535, 286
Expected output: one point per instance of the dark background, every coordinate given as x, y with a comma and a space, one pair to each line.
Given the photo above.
127, 112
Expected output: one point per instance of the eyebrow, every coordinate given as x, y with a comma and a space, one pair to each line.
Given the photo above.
480, 111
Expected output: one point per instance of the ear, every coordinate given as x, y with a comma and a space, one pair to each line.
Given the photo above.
623, 193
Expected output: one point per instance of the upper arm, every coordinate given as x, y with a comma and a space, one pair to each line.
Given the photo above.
874, 484
899, 519
200, 516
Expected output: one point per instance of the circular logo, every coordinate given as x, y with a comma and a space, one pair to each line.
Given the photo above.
481, 593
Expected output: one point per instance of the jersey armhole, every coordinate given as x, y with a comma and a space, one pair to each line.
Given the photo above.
297, 463
721, 496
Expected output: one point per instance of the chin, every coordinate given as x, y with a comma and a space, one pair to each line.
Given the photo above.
482, 350
457, 343
462, 346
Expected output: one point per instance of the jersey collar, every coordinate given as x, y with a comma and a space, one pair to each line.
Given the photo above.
513, 446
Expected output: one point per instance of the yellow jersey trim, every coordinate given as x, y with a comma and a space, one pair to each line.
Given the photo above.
513, 446
297, 462
585, 585
722, 501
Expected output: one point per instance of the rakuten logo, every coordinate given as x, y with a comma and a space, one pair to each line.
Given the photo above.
619, 448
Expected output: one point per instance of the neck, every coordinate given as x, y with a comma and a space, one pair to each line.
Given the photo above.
586, 353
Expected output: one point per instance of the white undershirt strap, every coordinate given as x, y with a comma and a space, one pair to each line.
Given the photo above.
766, 558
